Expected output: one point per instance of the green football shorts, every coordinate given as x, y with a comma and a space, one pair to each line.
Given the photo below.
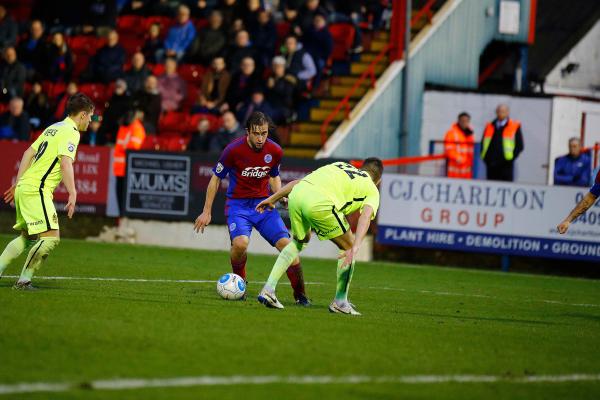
309, 208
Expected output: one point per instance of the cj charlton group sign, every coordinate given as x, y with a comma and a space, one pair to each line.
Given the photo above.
484, 216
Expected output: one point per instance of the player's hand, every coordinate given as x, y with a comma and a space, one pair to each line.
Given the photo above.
202, 221
9, 195
563, 227
264, 205
70, 207
284, 202
348, 256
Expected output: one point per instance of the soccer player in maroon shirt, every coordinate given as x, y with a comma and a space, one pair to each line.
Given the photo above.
252, 163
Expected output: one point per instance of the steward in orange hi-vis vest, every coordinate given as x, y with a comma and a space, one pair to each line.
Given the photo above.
458, 148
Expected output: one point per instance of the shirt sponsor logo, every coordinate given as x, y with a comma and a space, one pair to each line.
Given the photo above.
256, 172
219, 168
268, 158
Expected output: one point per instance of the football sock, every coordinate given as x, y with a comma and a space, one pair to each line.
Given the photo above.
285, 259
13, 250
37, 255
296, 278
344, 276
239, 266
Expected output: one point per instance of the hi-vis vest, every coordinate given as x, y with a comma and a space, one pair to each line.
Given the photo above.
508, 138
458, 149
129, 137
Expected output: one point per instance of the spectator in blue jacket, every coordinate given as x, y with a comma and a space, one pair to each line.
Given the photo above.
574, 169
180, 36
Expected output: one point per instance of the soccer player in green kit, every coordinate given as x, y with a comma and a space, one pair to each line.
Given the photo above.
43, 165
320, 201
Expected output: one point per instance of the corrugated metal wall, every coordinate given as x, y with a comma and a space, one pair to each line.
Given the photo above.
450, 56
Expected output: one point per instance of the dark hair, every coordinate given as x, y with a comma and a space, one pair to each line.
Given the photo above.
374, 166
79, 102
464, 114
258, 118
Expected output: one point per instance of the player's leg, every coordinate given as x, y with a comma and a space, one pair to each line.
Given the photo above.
240, 228
39, 213
271, 227
18, 245
14, 249
301, 236
333, 225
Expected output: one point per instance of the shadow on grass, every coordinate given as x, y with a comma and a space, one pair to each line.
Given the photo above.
502, 320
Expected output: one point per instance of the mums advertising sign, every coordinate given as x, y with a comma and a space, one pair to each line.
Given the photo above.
484, 216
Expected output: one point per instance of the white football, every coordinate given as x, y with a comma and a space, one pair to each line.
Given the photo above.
231, 286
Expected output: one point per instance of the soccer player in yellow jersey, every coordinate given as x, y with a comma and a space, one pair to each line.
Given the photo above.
321, 201
43, 165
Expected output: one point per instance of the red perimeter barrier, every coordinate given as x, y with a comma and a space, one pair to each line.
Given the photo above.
92, 169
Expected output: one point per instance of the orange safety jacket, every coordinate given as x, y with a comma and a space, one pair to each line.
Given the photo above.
508, 138
458, 148
129, 137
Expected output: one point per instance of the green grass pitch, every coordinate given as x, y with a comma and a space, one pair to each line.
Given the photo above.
417, 322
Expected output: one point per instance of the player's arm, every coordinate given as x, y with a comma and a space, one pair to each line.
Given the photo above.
211, 191
361, 231
270, 201
275, 184
588, 200
28, 155
68, 177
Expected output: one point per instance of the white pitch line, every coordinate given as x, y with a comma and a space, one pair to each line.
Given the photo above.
208, 380
91, 278
141, 280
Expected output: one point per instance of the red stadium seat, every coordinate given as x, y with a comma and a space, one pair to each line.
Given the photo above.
131, 44
343, 37
191, 97
158, 69
191, 73
87, 45
3, 107
173, 121
80, 63
95, 91
164, 22
177, 143
151, 143
283, 29
55, 89
129, 24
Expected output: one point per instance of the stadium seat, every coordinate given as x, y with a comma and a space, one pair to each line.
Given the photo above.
283, 29
343, 37
131, 44
95, 91
172, 121
191, 73
191, 97
158, 69
3, 107
164, 22
80, 63
151, 143
55, 89
129, 24
177, 143
87, 45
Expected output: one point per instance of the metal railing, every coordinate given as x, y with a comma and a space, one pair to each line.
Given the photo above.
369, 73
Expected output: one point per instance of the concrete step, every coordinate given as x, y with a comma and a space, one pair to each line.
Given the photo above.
368, 57
359, 68
301, 152
331, 103
312, 127
319, 114
343, 90
377, 45
350, 80
305, 139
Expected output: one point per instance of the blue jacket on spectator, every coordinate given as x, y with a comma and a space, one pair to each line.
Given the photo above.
570, 171
180, 37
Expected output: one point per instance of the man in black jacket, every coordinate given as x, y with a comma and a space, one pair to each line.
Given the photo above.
12, 75
501, 144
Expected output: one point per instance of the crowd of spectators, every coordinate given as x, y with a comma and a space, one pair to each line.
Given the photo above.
222, 59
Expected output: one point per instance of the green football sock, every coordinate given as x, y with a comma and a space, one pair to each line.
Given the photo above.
37, 255
285, 259
344, 276
13, 250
